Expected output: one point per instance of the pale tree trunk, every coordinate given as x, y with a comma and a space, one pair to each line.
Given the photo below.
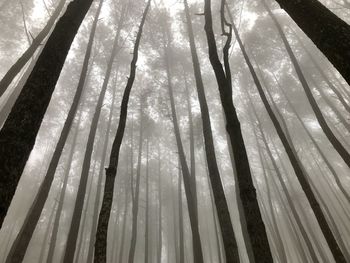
47, 233
25, 57
96, 207
18, 135
111, 171
328, 32
74, 228
62, 195
344, 154
147, 245
255, 225
181, 216
175, 225
121, 251
221, 205
22, 240
160, 225
82, 236
189, 191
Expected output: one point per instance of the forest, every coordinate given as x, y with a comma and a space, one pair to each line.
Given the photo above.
175, 131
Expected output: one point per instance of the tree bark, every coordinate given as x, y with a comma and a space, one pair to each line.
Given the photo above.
328, 32
160, 245
255, 224
221, 205
74, 228
37, 41
197, 247
181, 216
344, 154
18, 134
147, 246
111, 171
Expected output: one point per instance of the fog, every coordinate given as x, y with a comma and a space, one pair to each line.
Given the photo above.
174, 131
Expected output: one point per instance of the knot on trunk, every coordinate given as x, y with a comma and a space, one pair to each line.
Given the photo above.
111, 171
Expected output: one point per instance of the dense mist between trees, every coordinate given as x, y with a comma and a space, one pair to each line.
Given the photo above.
175, 131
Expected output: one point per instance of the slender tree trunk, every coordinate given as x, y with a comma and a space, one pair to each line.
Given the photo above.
230, 244
37, 41
197, 247
82, 236
176, 225
21, 243
147, 246
318, 148
344, 154
47, 233
255, 224
121, 251
62, 195
18, 135
160, 225
74, 227
135, 204
181, 216
111, 171
328, 32
100, 179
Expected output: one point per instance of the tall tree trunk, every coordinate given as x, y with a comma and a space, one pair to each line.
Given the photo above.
160, 225
323, 74
230, 244
328, 32
82, 236
189, 191
111, 171
74, 227
121, 251
18, 134
344, 154
181, 216
47, 233
191, 135
135, 203
62, 195
21, 243
318, 148
100, 179
147, 245
25, 57
255, 224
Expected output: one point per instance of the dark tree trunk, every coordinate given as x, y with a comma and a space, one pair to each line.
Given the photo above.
90, 254
22, 241
17, 137
328, 32
37, 41
344, 154
255, 224
78, 207
111, 171
230, 244
197, 247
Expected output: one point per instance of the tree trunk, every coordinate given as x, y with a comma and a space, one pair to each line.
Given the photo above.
18, 134
255, 224
21, 243
74, 228
99, 182
181, 216
147, 246
37, 41
111, 171
320, 118
230, 244
328, 32
160, 245
189, 191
